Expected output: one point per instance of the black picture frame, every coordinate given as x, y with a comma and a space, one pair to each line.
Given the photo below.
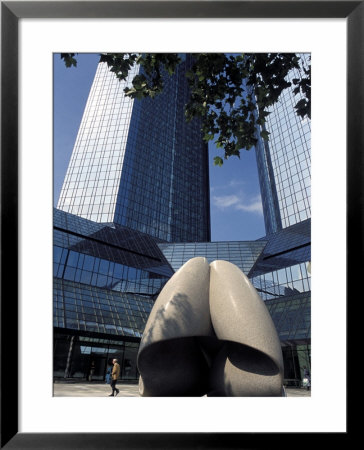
11, 12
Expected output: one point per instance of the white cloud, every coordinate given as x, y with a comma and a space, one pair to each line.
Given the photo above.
251, 207
224, 201
231, 184
237, 202
234, 183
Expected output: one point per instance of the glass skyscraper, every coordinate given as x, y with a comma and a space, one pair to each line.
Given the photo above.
284, 161
139, 163
282, 272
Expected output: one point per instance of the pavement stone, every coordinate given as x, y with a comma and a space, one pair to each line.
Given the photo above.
97, 389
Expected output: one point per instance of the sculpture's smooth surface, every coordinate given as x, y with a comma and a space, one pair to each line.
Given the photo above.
210, 333
252, 357
169, 360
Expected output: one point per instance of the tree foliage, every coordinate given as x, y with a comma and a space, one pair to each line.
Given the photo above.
231, 94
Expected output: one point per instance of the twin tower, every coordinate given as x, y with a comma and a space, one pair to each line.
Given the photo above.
139, 163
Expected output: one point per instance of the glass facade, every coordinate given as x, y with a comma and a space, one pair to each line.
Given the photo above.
139, 163
284, 162
281, 273
282, 276
92, 180
292, 317
86, 357
242, 254
283, 267
106, 278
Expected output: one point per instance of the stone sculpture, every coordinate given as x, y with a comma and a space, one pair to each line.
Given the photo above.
210, 333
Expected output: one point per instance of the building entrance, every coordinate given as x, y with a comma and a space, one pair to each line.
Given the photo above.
97, 367
89, 358
296, 357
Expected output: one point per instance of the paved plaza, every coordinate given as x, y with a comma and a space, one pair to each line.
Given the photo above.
92, 389
97, 389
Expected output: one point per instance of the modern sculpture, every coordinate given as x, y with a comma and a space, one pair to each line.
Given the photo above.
210, 333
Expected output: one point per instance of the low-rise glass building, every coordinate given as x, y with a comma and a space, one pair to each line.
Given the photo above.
282, 276
106, 278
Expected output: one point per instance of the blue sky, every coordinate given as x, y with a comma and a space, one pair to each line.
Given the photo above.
236, 212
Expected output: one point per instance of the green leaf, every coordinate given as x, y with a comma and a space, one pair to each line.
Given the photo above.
69, 59
190, 75
265, 134
208, 137
218, 161
216, 83
130, 92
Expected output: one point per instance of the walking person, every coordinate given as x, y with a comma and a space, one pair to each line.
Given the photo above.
114, 378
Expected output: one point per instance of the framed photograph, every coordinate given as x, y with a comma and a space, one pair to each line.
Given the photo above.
32, 32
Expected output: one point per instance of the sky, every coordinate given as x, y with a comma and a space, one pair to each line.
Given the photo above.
235, 203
